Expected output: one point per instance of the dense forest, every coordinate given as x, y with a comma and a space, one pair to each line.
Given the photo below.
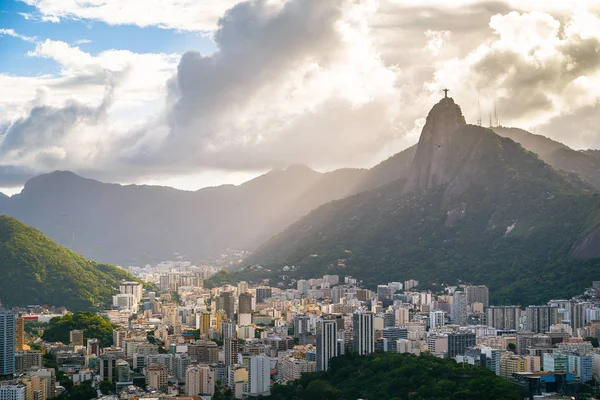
92, 325
394, 376
35, 270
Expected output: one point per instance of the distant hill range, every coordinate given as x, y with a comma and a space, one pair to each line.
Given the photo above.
474, 206
35, 270
138, 224
585, 164
144, 224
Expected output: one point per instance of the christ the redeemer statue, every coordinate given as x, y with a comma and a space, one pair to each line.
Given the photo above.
446, 93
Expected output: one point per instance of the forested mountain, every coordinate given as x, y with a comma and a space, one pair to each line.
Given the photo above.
585, 164
138, 224
143, 224
475, 207
35, 270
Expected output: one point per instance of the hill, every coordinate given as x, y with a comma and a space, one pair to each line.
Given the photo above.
475, 207
92, 325
584, 164
139, 224
398, 376
35, 270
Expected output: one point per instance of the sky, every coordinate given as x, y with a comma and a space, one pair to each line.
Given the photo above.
194, 93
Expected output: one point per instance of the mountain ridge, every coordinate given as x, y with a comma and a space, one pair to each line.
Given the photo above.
138, 224
501, 212
123, 224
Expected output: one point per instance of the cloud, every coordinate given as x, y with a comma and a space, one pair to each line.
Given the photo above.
185, 15
11, 32
290, 83
581, 126
328, 83
72, 121
532, 68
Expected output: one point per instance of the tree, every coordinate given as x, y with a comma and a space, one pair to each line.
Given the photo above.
398, 376
106, 387
92, 325
593, 340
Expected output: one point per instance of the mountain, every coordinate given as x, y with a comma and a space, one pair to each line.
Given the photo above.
140, 224
35, 270
475, 207
585, 164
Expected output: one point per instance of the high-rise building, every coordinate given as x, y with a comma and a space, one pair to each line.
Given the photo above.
20, 333
227, 303
384, 293
389, 318
126, 302
26, 360
540, 318
199, 381
527, 341
231, 347
459, 308
7, 344
13, 392
134, 288
393, 333
402, 315
503, 317
478, 294
245, 303
76, 337
581, 366
458, 342
564, 309
204, 322
410, 284
48, 378
303, 287
363, 331
93, 347
437, 318
220, 316
228, 329
36, 388
326, 343
156, 377
555, 362
263, 293
119, 336
578, 314
260, 375
123, 375
203, 352
301, 325
108, 367
242, 287
437, 344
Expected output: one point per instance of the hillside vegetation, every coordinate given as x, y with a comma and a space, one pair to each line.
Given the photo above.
35, 270
502, 217
92, 325
393, 376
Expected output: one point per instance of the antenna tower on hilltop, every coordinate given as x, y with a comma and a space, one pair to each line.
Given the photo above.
496, 114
